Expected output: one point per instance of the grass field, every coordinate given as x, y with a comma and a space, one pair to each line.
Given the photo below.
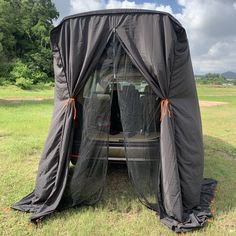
23, 129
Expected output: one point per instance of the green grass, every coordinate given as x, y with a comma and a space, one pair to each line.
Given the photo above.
12, 91
23, 129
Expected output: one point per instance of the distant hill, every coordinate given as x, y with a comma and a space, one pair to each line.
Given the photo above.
229, 75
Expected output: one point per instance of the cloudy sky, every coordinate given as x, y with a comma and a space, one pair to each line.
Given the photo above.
210, 25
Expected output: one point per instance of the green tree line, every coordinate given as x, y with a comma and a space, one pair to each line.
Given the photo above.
213, 78
25, 54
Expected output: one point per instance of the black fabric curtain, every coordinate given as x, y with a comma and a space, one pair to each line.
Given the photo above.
72, 66
157, 66
87, 178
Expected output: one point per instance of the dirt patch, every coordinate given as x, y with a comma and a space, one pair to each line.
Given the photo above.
211, 103
16, 100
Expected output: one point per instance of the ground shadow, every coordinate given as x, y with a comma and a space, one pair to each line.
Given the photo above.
119, 191
220, 147
220, 164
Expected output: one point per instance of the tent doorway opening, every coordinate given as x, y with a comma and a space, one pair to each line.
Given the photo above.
118, 120
119, 110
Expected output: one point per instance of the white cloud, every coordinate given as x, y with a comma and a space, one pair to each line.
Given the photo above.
82, 5
210, 26
211, 30
131, 4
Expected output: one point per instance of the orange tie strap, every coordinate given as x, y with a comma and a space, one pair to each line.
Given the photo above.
72, 100
163, 101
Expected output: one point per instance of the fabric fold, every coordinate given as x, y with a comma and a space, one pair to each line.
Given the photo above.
198, 216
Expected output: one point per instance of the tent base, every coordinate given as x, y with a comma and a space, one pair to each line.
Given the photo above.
197, 217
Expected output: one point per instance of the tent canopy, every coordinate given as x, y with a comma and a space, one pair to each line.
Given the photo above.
94, 53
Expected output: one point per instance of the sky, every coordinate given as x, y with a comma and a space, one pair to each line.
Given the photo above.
210, 26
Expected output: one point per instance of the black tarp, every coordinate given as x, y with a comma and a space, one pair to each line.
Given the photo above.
90, 45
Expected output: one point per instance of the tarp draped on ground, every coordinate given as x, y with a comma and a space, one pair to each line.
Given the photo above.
86, 46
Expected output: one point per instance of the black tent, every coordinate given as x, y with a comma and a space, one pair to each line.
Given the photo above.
105, 54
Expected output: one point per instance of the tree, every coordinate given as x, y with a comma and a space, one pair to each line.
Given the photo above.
7, 30
24, 33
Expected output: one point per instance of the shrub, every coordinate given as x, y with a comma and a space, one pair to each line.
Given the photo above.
2, 79
23, 83
5, 68
5, 81
47, 84
20, 70
50, 84
39, 77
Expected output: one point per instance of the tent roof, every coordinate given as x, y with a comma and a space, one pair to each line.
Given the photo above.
116, 12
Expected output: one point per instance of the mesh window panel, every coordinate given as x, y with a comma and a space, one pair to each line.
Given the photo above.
140, 117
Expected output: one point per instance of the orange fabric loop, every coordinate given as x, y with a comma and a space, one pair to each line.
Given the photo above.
72, 100
163, 101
